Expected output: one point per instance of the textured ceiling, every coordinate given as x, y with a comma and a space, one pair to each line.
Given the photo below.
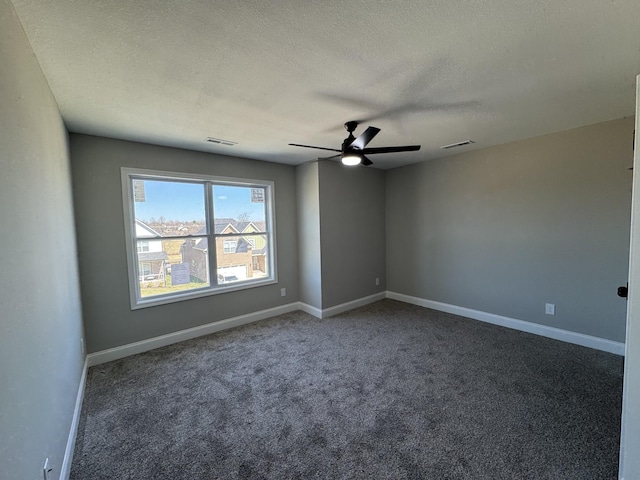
265, 74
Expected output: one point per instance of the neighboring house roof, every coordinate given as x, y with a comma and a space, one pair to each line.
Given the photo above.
201, 244
222, 224
226, 228
148, 232
151, 256
260, 251
239, 227
245, 227
241, 247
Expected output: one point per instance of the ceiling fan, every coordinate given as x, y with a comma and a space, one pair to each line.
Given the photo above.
353, 149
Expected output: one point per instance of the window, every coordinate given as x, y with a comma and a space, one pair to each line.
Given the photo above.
145, 269
229, 246
180, 228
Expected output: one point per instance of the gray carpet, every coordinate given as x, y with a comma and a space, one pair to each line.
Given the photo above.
389, 391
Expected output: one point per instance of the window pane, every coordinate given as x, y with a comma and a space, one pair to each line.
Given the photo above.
173, 266
238, 260
164, 208
259, 255
239, 209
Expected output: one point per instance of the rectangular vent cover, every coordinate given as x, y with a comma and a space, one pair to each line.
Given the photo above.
457, 144
219, 141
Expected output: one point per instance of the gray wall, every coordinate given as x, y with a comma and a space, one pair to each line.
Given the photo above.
507, 229
309, 251
109, 320
352, 232
40, 324
341, 233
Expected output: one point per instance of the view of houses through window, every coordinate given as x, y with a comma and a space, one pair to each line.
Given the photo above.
175, 222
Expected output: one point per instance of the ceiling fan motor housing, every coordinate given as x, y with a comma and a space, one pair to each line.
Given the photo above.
351, 126
346, 145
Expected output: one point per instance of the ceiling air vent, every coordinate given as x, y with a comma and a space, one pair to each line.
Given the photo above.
219, 141
457, 144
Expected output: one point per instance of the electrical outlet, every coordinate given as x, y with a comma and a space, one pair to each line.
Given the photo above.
46, 470
82, 346
283, 292
377, 281
550, 308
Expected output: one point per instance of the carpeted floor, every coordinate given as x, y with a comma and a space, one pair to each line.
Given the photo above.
386, 391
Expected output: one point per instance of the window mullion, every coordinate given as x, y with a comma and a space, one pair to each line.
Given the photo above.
240, 234
211, 239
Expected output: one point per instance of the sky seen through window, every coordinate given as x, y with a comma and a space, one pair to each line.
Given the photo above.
184, 202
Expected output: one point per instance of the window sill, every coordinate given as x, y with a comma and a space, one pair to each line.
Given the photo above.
154, 301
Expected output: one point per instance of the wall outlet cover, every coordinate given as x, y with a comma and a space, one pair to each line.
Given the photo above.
550, 308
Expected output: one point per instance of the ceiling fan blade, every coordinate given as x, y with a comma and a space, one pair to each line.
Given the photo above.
405, 148
331, 157
311, 146
365, 138
365, 161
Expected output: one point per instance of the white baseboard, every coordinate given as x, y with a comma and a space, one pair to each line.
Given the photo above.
171, 338
65, 471
316, 312
123, 351
343, 307
535, 328
145, 345
360, 302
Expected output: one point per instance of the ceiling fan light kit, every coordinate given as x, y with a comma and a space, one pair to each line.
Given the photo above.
350, 159
353, 149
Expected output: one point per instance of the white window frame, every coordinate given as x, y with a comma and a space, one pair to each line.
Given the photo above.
144, 271
229, 246
130, 174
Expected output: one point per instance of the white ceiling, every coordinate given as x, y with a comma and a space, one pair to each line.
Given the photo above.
268, 73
